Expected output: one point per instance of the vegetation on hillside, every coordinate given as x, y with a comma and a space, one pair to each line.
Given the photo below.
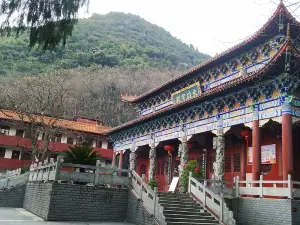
107, 55
111, 40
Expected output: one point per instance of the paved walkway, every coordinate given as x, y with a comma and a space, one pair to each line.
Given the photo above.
11, 216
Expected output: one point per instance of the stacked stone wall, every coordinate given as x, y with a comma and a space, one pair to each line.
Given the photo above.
136, 213
37, 199
87, 203
259, 211
13, 197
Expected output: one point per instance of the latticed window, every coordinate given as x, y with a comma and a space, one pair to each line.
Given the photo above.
227, 163
237, 162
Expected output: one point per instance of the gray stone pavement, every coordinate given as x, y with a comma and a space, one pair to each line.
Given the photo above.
11, 216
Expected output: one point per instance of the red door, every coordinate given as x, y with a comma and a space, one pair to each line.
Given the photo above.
162, 173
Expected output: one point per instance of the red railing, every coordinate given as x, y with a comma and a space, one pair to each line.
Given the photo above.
13, 163
14, 141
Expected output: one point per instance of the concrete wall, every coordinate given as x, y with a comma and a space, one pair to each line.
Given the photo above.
136, 213
13, 197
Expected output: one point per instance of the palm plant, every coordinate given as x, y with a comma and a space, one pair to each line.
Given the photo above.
81, 155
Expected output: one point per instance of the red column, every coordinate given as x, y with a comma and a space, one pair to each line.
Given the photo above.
121, 159
256, 151
243, 161
114, 159
287, 145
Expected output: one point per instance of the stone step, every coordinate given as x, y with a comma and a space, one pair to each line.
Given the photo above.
179, 210
178, 203
182, 206
189, 215
192, 219
190, 223
184, 214
175, 199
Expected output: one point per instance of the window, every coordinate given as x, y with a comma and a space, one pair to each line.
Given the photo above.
20, 133
70, 140
227, 163
108, 162
4, 130
88, 142
15, 154
237, 162
26, 155
99, 144
2, 152
57, 138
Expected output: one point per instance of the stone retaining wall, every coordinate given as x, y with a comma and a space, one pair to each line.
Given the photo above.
263, 211
64, 202
136, 213
87, 203
13, 197
37, 199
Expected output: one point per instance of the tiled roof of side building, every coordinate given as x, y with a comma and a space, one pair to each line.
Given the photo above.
280, 8
68, 124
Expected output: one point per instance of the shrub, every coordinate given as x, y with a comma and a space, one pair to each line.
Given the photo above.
153, 183
194, 167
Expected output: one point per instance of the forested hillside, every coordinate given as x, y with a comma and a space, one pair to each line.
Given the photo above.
108, 55
111, 40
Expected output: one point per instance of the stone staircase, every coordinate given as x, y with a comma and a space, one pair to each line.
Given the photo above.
181, 209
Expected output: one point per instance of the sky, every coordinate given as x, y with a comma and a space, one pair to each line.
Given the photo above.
210, 25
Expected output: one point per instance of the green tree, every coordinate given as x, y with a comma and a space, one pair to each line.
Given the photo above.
49, 22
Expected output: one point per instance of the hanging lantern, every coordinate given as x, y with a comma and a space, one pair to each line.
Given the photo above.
169, 148
245, 134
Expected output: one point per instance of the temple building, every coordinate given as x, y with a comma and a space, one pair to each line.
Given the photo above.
238, 114
16, 146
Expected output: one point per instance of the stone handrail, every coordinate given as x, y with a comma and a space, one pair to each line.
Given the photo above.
218, 187
13, 179
266, 188
148, 197
53, 171
237, 188
211, 201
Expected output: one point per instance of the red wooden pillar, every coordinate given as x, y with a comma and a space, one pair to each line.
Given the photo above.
256, 147
114, 159
287, 141
243, 162
121, 159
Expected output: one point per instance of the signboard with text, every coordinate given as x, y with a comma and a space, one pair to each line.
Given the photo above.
268, 154
186, 93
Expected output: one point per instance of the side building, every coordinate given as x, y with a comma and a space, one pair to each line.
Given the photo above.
16, 146
236, 114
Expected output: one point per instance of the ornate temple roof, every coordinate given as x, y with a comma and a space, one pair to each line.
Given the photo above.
263, 34
68, 124
268, 28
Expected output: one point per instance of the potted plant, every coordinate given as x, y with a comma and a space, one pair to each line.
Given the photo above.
153, 183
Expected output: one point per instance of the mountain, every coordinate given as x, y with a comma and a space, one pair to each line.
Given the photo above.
111, 40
